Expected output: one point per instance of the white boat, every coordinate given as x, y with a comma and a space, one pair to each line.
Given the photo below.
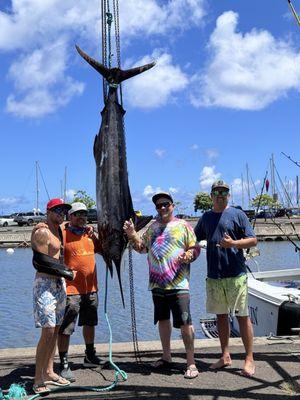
274, 302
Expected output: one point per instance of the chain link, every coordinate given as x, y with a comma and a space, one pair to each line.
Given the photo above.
135, 342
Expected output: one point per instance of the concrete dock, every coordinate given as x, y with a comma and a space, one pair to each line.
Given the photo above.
277, 374
15, 236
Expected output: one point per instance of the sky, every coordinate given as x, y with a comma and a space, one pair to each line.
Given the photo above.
223, 98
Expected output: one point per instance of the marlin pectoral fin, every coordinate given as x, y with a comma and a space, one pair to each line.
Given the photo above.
140, 222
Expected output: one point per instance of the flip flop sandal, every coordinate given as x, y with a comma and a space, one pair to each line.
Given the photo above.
58, 382
191, 373
37, 386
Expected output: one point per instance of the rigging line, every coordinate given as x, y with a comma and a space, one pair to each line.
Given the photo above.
260, 199
295, 162
294, 12
43, 181
297, 248
256, 192
284, 189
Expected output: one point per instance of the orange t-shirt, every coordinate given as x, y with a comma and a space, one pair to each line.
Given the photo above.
79, 254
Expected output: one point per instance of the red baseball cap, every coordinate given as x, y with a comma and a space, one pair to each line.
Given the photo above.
57, 202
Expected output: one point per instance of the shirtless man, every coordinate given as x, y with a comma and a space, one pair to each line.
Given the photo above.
49, 294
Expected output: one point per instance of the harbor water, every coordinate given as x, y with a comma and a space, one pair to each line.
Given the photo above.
17, 274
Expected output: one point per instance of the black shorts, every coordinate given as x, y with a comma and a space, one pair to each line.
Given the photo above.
84, 305
175, 301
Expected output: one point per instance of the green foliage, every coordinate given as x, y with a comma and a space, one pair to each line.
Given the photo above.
83, 197
202, 202
265, 200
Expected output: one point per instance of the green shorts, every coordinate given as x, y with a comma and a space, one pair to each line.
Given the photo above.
227, 296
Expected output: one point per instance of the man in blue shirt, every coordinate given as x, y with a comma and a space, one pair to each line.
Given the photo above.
227, 231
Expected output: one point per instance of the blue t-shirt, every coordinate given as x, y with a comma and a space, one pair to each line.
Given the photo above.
221, 262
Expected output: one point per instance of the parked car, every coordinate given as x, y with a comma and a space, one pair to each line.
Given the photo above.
182, 216
92, 215
29, 218
6, 220
265, 214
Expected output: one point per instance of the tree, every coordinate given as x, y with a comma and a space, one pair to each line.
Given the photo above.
202, 202
265, 200
83, 197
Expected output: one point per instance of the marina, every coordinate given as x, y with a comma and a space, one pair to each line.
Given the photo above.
17, 273
264, 230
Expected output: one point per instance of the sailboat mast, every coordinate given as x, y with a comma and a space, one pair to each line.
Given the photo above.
297, 191
243, 203
37, 185
248, 186
65, 185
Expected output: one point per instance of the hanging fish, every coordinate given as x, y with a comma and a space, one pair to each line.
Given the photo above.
114, 203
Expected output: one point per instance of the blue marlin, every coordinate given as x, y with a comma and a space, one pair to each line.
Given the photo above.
114, 202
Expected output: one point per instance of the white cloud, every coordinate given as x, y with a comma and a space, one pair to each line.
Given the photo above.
208, 176
246, 71
212, 154
41, 84
148, 191
70, 193
157, 86
194, 147
9, 201
160, 153
32, 26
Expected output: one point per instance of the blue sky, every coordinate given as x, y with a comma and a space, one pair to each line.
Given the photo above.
225, 92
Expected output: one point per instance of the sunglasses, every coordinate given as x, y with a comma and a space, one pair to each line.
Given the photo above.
220, 192
79, 214
59, 210
161, 205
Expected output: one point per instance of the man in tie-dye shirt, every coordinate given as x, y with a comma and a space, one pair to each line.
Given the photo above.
171, 246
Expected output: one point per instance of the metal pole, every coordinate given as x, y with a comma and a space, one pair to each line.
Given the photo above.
37, 186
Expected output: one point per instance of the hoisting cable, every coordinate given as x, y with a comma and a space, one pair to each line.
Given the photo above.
104, 46
294, 12
118, 46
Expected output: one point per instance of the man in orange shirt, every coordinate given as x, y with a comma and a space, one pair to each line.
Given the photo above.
80, 245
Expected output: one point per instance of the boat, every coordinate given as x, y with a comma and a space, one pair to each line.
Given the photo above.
273, 303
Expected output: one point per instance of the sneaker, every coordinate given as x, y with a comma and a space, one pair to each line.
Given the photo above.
91, 360
65, 371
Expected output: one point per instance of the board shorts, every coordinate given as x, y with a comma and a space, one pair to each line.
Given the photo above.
227, 296
83, 305
49, 301
176, 302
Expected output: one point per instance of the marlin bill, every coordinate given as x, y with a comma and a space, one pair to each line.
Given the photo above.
114, 203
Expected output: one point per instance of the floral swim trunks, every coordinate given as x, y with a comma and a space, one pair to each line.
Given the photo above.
227, 296
49, 301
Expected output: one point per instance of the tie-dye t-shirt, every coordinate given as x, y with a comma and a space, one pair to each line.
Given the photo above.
165, 242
